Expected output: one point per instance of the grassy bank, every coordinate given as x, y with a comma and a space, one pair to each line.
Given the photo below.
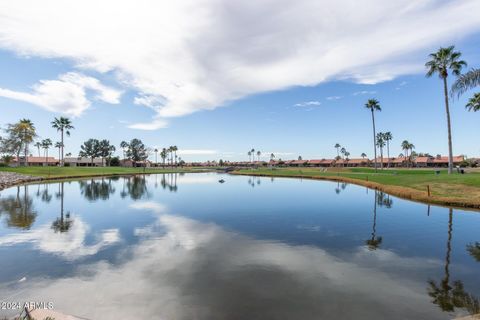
459, 190
65, 172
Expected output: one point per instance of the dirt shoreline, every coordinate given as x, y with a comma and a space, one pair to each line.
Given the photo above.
397, 191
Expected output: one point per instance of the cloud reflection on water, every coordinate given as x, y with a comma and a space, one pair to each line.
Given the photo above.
183, 269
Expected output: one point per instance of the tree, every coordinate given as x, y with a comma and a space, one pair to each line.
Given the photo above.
466, 81
174, 150
381, 145
46, 144
253, 154
441, 62
156, 153
405, 145
373, 105
106, 150
59, 146
64, 125
411, 146
272, 156
342, 151
337, 146
474, 103
259, 153
12, 144
164, 155
137, 151
38, 144
249, 156
363, 155
26, 133
387, 136
124, 146
90, 149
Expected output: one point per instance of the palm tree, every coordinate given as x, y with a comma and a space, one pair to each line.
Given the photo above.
249, 156
441, 62
466, 81
387, 136
258, 155
46, 144
58, 145
123, 145
405, 147
337, 146
156, 152
474, 103
164, 155
363, 155
64, 125
253, 154
381, 145
373, 105
174, 150
38, 144
27, 133
411, 146
272, 156
342, 151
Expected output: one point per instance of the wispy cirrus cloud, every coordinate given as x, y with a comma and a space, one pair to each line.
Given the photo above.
333, 98
186, 56
308, 104
364, 92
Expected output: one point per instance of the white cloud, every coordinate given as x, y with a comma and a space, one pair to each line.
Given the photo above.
364, 92
307, 104
185, 56
67, 95
332, 98
153, 125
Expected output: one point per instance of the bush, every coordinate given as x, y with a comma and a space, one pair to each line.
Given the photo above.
115, 162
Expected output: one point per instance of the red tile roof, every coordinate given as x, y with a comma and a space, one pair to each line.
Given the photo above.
38, 159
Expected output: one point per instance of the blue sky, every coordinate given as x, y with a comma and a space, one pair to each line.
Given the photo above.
291, 90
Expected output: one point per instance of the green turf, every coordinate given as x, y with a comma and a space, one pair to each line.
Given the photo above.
442, 184
58, 172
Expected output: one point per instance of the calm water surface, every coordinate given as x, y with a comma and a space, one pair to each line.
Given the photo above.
189, 247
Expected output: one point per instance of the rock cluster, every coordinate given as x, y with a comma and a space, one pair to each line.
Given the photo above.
8, 179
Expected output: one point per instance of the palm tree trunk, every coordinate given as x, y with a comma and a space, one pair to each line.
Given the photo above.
61, 159
26, 147
388, 153
374, 144
447, 109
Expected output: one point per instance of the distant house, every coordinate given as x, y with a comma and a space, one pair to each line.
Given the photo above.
36, 161
423, 162
399, 162
146, 163
298, 163
83, 162
443, 161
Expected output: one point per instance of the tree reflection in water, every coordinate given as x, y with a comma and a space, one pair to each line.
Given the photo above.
136, 186
474, 250
96, 189
19, 210
450, 296
340, 187
374, 242
62, 224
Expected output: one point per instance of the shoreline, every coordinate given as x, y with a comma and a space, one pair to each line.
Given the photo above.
21, 179
397, 191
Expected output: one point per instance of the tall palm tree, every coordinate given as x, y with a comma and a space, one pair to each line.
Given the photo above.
474, 103
342, 151
249, 156
164, 155
27, 133
441, 62
124, 146
46, 144
387, 136
59, 146
272, 156
363, 155
64, 125
38, 144
156, 152
373, 105
381, 145
337, 146
259, 153
466, 81
405, 145
174, 150
253, 154
411, 146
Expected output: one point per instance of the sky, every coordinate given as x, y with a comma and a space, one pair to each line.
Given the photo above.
217, 78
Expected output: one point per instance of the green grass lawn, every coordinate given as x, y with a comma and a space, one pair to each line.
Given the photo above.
461, 186
59, 172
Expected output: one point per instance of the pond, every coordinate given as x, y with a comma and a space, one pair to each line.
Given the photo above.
184, 246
